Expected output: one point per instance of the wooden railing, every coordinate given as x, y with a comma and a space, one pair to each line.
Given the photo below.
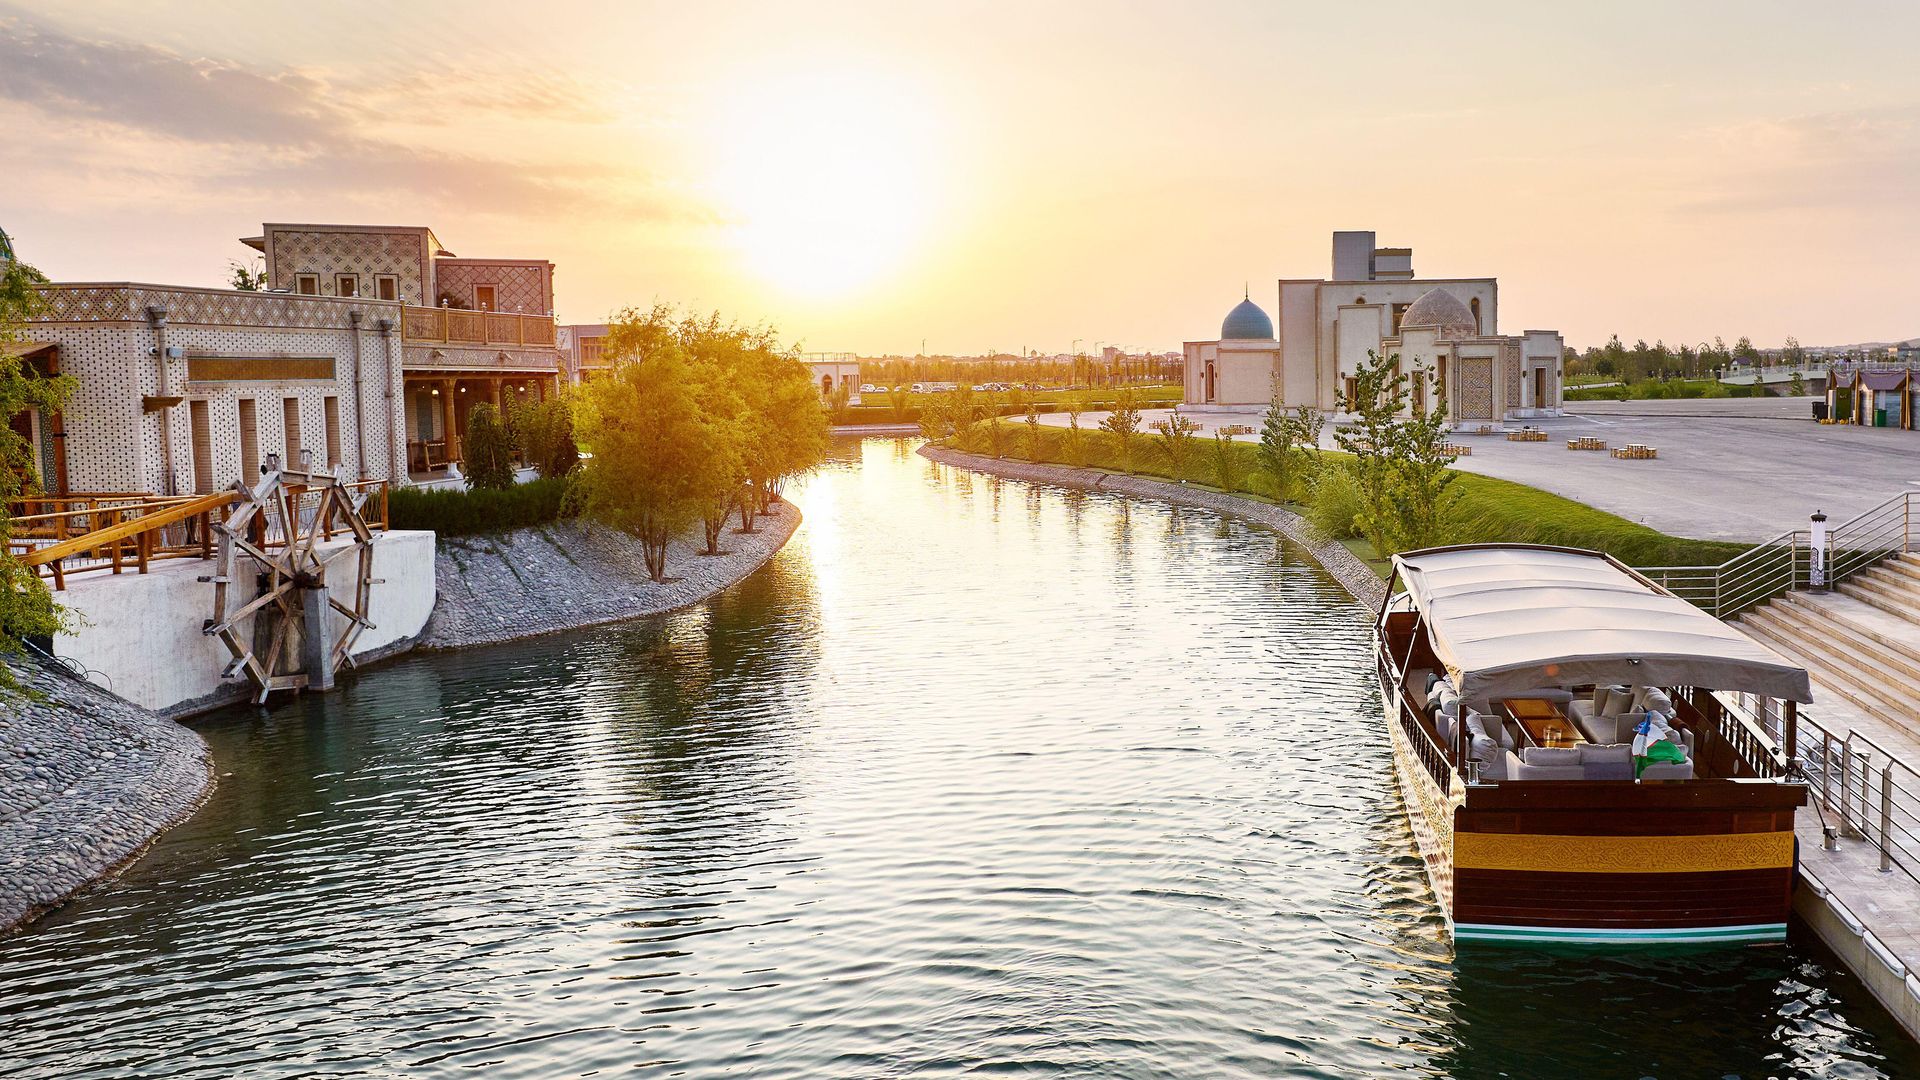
455, 326
114, 530
1426, 749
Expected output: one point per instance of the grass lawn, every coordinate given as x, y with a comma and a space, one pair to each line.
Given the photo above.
1487, 510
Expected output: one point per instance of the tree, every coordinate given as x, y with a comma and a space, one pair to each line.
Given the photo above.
488, 449
643, 421
1797, 386
1224, 459
997, 433
840, 403
1032, 447
1179, 440
1122, 425
544, 432
250, 276
27, 609
1289, 443
897, 399
1075, 403
1400, 463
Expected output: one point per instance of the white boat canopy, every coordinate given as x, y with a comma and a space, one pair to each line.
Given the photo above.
1509, 618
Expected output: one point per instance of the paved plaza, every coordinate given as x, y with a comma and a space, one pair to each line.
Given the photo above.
1728, 468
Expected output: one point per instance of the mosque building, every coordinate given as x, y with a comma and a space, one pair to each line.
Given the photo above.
1374, 303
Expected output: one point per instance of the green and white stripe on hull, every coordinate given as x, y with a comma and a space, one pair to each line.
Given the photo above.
1589, 935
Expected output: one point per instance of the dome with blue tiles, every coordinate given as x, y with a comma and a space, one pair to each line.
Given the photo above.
1246, 322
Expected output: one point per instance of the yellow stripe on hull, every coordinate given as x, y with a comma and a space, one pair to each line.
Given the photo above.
1622, 854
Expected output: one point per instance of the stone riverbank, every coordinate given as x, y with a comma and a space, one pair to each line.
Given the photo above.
569, 575
1351, 571
87, 781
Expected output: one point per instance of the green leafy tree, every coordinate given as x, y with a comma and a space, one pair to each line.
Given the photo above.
1289, 447
487, 449
1122, 426
643, 421
1400, 462
1031, 450
544, 432
27, 609
998, 437
1075, 403
1797, 386
1228, 467
898, 400
1179, 442
840, 404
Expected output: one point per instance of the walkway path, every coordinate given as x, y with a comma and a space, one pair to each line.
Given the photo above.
1729, 468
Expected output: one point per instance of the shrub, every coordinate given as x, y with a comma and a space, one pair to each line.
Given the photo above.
1335, 504
544, 430
488, 449
452, 512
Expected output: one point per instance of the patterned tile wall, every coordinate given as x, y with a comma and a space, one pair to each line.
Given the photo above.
1510, 361
525, 289
400, 253
1473, 378
113, 446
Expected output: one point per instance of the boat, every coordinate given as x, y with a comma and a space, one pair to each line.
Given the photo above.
1571, 769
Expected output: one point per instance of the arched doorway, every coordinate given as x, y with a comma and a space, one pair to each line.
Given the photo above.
1210, 389
826, 386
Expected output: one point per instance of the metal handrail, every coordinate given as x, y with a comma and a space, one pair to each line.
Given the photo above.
1785, 563
1869, 793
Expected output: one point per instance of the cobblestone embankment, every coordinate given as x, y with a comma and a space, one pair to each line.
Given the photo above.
87, 781
569, 575
1348, 569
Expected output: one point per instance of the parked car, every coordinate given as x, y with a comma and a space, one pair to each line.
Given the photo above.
919, 389
868, 388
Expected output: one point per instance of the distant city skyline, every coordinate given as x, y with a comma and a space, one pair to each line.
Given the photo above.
865, 176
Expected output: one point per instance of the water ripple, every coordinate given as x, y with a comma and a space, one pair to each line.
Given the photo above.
976, 778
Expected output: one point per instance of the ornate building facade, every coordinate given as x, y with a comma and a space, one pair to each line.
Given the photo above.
1374, 303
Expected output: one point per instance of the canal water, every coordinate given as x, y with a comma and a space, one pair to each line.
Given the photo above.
976, 777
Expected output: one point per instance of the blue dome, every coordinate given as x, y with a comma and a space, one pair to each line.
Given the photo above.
1246, 323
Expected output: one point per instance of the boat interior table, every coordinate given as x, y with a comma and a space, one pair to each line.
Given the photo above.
1543, 722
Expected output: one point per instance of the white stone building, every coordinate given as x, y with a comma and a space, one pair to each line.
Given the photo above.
1373, 302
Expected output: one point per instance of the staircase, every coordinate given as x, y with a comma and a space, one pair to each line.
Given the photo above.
1860, 642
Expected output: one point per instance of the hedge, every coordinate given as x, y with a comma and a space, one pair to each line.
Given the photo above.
455, 512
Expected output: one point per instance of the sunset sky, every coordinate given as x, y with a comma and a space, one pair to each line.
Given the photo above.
866, 176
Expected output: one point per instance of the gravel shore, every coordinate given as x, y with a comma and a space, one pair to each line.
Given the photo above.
569, 575
87, 781
1348, 569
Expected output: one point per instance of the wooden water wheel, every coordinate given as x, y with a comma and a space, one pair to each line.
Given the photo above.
281, 540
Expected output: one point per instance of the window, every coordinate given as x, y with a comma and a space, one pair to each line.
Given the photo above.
1353, 392
387, 286
483, 298
1474, 306
307, 284
249, 444
346, 285
333, 432
202, 447
1399, 312
290, 411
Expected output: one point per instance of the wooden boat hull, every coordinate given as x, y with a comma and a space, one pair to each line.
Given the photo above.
1602, 863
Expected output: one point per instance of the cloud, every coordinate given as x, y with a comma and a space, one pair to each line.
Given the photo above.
242, 131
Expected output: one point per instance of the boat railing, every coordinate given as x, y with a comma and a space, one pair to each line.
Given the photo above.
1426, 749
1789, 561
1756, 748
1863, 791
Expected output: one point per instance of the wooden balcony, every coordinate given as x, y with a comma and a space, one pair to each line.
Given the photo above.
454, 326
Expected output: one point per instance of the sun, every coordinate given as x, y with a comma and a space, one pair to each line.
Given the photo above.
828, 180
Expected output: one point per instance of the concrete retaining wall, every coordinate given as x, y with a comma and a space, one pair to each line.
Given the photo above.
1864, 954
142, 632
